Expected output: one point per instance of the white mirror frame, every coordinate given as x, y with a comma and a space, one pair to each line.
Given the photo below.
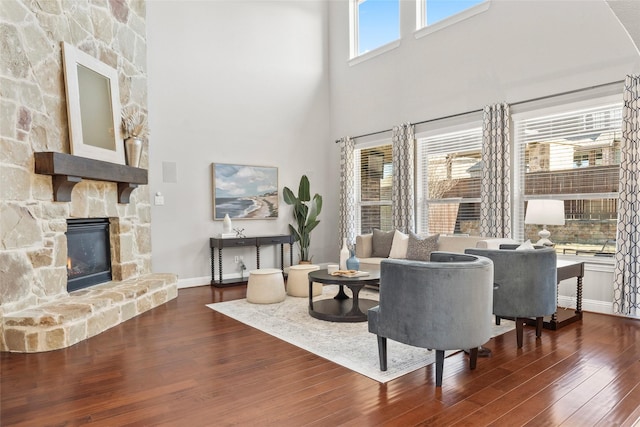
80, 144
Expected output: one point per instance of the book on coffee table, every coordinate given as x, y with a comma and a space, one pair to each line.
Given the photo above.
350, 273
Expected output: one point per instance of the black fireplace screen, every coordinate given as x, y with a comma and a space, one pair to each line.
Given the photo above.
88, 252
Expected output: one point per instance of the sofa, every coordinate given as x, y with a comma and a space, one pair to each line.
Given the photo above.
397, 245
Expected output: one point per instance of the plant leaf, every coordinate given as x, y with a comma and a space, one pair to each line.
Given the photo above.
311, 226
289, 197
303, 191
294, 232
316, 207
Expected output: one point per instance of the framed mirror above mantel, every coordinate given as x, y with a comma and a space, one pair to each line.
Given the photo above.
93, 106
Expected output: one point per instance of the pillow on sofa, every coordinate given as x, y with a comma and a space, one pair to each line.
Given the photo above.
381, 244
420, 248
399, 245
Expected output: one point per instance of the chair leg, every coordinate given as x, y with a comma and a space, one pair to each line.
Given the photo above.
498, 320
473, 357
519, 331
382, 352
539, 325
439, 367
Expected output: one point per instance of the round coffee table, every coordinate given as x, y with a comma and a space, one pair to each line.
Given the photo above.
341, 308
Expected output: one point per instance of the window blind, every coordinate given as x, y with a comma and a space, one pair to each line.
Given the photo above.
448, 175
373, 183
573, 156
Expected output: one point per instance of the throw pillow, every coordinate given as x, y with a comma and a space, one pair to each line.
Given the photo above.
420, 248
399, 245
525, 246
381, 244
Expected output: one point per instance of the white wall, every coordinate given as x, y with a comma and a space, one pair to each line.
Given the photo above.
515, 51
242, 82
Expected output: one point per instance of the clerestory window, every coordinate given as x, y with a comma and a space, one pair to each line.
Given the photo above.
433, 15
437, 10
374, 23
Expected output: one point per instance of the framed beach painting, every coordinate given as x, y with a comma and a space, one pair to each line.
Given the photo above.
245, 192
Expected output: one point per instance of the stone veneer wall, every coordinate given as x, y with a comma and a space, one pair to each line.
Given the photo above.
33, 118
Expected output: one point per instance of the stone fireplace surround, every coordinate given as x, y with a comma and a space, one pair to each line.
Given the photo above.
39, 314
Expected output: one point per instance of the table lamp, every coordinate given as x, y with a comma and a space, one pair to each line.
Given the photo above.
545, 212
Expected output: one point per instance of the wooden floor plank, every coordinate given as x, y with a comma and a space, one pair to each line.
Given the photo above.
625, 371
184, 364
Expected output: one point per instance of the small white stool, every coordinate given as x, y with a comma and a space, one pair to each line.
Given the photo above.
265, 286
298, 281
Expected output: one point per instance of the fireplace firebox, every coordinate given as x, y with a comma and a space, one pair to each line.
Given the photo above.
88, 252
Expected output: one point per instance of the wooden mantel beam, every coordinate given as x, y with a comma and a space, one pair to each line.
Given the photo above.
67, 170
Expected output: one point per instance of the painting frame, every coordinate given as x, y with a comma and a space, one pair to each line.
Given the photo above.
244, 191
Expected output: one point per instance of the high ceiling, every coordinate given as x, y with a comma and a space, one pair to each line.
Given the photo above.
628, 13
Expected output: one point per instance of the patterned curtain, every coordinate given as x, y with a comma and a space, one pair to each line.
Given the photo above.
495, 202
402, 197
626, 281
347, 225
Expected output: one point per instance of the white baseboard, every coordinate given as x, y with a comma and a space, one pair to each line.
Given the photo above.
595, 306
194, 282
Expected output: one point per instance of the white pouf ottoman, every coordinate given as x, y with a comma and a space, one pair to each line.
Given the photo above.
298, 281
265, 286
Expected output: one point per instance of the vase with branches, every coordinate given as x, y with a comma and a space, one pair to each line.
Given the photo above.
135, 130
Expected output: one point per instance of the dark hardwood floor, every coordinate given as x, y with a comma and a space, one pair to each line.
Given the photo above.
182, 364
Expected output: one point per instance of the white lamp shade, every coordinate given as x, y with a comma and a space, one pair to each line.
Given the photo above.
545, 212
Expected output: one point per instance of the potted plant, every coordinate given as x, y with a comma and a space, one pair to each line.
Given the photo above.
135, 130
305, 214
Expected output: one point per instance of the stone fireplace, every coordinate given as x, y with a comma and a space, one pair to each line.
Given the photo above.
37, 312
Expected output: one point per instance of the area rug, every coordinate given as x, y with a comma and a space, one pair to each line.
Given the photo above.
348, 344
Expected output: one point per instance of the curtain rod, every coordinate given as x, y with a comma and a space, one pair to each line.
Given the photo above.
541, 98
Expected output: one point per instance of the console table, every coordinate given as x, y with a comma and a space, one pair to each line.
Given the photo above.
216, 244
567, 270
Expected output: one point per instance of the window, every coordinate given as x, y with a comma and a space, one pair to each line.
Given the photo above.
374, 23
431, 12
448, 176
437, 10
573, 156
373, 183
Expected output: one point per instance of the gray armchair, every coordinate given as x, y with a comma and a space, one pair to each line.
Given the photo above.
443, 304
525, 283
